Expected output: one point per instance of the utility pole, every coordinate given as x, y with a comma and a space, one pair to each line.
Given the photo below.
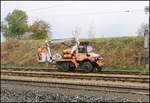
146, 38
49, 34
91, 31
146, 32
76, 31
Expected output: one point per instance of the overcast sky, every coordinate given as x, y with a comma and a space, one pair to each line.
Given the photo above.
107, 18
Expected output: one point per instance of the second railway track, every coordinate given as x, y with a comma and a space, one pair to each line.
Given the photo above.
77, 71
106, 88
108, 77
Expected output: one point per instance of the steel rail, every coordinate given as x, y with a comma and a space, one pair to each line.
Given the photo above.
108, 88
77, 71
122, 78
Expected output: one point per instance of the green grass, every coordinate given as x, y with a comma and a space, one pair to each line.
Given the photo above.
129, 69
119, 53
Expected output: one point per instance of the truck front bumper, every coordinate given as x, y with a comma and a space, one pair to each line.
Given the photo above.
100, 63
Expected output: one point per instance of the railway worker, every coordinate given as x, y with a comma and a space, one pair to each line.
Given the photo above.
44, 53
39, 51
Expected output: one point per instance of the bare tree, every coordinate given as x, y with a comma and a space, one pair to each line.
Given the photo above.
142, 29
49, 34
40, 29
91, 31
76, 31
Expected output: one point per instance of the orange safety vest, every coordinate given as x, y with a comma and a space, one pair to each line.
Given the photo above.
39, 50
44, 50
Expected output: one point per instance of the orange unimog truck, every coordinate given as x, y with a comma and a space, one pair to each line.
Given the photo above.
80, 56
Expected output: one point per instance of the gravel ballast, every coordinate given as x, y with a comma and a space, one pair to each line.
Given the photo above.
8, 95
15, 92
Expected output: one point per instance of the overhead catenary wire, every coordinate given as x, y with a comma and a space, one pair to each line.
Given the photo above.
33, 10
80, 14
51, 6
101, 13
91, 13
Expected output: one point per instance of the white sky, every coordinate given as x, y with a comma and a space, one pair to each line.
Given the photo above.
105, 16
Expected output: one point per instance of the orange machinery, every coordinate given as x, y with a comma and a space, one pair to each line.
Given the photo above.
80, 56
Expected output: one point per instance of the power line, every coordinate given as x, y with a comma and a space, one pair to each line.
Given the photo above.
52, 6
100, 13
33, 10
91, 13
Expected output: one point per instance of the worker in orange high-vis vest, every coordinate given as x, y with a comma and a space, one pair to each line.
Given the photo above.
44, 53
39, 51
44, 50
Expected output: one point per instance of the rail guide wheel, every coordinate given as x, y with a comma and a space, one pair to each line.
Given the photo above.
65, 66
87, 66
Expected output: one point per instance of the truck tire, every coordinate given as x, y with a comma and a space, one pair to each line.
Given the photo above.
63, 66
72, 66
99, 69
87, 66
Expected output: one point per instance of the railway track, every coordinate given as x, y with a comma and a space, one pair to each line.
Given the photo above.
105, 88
77, 71
47, 82
80, 76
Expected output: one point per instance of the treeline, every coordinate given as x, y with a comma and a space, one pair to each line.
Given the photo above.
16, 25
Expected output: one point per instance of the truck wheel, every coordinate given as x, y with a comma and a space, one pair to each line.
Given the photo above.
99, 69
63, 66
72, 66
87, 66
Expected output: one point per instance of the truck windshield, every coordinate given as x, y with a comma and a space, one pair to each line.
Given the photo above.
89, 49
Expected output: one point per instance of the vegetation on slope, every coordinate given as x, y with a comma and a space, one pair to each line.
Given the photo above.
120, 52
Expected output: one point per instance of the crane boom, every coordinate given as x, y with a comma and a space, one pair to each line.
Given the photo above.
62, 40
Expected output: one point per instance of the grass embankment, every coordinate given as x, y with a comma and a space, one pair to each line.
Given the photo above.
120, 53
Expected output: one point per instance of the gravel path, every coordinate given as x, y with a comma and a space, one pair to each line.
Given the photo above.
21, 93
